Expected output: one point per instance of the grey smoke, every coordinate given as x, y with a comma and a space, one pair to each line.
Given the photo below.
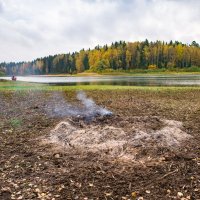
89, 109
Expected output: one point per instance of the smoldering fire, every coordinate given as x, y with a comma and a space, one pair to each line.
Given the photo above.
109, 136
88, 110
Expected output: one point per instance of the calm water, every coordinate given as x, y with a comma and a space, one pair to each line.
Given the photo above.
172, 80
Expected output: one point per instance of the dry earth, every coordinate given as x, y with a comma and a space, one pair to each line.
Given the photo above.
148, 149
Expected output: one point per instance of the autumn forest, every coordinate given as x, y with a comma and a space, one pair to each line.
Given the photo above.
118, 56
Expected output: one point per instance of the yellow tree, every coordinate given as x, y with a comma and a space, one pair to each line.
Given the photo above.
80, 61
94, 58
128, 59
179, 55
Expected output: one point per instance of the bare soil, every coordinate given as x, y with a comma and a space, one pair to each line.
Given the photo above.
148, 149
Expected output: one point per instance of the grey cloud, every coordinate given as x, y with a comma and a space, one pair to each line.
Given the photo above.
34, 28
1, 7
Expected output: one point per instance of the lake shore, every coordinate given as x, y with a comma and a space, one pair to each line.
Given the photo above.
103, 81
116, 73
25, 120
138, 72
20, 85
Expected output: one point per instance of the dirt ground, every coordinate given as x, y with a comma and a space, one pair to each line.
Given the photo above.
31, 167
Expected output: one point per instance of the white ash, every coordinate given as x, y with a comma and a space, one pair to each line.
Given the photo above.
92, 138
116, 141
170, 135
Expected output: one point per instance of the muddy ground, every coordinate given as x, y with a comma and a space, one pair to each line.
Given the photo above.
33, 169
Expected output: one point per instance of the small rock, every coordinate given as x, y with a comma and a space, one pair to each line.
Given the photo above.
148, 191
108, 194
169, 191
91, 184
134, 194
180, 194
19, 192
57, 155
43, 194
37, 190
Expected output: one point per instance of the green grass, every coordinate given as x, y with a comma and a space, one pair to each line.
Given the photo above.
134, 72
162, 71
12, 85
21, 86
15, 123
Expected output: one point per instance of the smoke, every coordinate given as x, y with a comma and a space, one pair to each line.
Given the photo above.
88, 108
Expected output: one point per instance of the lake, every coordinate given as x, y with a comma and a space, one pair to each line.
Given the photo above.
148, 80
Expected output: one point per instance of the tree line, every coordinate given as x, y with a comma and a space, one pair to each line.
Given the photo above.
118, 56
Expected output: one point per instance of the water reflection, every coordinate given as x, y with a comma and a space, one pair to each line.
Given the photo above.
170, 80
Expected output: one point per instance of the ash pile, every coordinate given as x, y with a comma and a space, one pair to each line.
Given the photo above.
95, 129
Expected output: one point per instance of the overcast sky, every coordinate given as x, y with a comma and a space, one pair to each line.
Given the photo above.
37, 28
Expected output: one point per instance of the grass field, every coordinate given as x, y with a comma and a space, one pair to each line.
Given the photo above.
162, 71
11, 85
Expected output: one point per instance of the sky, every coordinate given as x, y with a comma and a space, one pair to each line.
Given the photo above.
31, 29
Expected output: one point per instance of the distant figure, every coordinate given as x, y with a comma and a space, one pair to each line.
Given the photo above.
14, 78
